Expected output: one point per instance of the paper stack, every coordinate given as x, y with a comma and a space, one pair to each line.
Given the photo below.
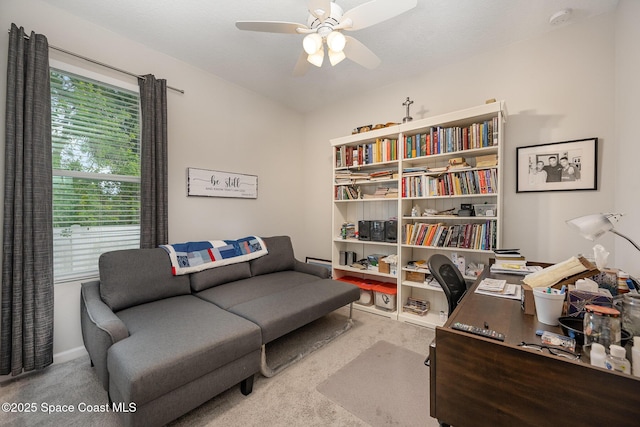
511, 261
498, 288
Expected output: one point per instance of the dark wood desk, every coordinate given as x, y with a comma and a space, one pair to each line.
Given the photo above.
477, 381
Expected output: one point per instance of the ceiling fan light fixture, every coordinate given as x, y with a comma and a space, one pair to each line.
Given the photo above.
317, 58
312, 43
336, 57
336, 41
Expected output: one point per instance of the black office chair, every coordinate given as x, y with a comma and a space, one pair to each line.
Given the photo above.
449, 277
451, 280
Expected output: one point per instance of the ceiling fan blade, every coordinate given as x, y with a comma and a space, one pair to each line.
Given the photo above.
375, 11
360, 54
302, 66
321, 9
272, 27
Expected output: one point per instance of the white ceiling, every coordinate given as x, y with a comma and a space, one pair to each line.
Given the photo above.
203, 33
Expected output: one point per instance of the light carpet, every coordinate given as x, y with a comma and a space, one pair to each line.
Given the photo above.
385, 385
288, 399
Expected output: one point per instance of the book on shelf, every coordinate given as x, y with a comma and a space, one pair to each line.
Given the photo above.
383, 192
438, 140
351, 177
346, 192
477, 236
451, 183
379, 151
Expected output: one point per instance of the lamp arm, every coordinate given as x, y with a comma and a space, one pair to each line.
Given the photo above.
625, 237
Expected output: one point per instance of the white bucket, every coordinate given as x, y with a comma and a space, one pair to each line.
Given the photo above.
548, 305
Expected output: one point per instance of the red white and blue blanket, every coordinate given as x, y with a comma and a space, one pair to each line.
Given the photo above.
191, 257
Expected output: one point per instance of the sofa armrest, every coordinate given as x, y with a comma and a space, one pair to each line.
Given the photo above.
314, 269
101, 328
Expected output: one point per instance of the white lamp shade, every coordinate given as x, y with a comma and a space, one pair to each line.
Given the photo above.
317, 58
336, 57
593, 226
336, 41
312, 43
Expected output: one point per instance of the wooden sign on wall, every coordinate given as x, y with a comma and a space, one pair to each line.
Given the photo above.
209, 183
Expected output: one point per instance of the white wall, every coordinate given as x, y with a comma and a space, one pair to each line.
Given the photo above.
627, 110
214, 125
558, 87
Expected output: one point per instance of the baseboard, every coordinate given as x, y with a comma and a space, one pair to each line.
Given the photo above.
70, 354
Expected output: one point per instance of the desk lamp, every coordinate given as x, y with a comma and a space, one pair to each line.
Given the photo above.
593, 226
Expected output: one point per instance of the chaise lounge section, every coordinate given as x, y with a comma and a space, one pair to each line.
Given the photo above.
163, 345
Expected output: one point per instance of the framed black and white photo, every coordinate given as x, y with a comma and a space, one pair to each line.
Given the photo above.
558, 166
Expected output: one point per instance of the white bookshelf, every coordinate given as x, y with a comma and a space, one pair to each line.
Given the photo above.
399, 208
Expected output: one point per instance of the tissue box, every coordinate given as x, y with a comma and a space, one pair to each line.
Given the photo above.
578, 299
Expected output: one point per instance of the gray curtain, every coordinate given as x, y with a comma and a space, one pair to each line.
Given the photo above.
26, 340
154, 206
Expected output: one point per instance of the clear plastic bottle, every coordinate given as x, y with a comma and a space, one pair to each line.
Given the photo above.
616, 360
598, 355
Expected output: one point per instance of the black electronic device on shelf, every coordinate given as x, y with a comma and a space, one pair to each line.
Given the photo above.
364, 230
391, 231
377, 231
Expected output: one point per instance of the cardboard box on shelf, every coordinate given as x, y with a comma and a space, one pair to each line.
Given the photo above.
414, 276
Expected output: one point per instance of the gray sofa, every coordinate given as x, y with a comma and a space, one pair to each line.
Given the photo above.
162, 345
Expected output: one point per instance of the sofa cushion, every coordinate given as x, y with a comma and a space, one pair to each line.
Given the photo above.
173, 342
282, 312
279, 258
136, 276
216, 276
235, 293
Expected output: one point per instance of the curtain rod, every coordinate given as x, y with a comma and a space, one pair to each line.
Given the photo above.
102, 64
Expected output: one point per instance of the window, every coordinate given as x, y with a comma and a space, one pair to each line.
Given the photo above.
96, 172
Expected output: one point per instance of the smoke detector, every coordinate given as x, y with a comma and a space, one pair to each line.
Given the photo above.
560, 17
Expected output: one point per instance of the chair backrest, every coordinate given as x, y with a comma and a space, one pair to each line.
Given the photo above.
449, 277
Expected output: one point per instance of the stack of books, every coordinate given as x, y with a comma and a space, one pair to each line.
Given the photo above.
383, 192
511, 261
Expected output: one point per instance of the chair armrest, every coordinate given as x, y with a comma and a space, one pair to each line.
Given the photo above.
316, 270
101, 328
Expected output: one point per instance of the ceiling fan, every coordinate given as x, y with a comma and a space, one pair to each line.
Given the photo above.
325, 25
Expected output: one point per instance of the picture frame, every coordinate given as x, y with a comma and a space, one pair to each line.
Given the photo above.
557, 166
321, 262
212, 183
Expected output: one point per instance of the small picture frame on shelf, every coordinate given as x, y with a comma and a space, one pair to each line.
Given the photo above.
558, 166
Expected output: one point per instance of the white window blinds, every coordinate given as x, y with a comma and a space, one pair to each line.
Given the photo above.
96, 172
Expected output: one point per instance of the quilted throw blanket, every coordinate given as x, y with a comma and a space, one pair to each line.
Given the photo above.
191, 257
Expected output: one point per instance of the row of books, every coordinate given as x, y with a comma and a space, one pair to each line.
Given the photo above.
353, 192
482, 181
447, 140
481, 236
382, 150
